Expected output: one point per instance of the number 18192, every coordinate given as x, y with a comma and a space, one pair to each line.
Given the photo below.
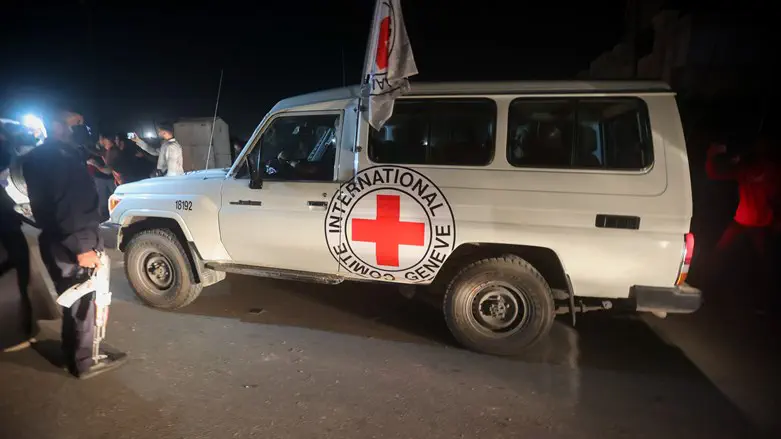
184, 205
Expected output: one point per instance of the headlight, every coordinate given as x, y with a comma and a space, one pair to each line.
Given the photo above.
113, 201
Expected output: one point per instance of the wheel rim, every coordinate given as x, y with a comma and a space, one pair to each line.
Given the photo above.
498, 309
157, 271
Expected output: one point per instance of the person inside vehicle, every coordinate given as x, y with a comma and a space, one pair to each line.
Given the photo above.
546, 146
303, 154
170, 161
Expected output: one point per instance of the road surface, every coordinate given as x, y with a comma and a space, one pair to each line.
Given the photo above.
273, 359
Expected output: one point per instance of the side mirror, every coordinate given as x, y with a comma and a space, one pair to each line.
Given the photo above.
255, 179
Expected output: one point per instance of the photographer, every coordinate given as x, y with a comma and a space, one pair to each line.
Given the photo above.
169, 156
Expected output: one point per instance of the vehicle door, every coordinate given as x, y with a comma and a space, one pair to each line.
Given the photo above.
281, 223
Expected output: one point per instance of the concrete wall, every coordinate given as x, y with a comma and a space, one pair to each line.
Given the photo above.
194, 135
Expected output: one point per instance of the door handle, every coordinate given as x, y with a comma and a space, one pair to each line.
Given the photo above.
617, 222
246, 203
317, 205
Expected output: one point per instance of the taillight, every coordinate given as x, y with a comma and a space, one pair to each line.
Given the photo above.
686, 260
687, 257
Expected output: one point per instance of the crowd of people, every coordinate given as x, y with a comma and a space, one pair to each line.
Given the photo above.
120, 159
69, 177
66, 207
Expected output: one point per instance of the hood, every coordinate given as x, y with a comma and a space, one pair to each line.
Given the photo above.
167, 184
203, 174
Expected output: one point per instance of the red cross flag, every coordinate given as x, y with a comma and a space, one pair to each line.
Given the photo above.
389, 62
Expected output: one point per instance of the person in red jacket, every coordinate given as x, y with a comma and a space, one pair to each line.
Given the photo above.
758, 181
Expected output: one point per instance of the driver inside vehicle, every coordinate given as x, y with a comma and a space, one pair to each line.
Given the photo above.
297, 149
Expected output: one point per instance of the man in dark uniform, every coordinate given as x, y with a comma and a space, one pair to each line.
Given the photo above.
64, 203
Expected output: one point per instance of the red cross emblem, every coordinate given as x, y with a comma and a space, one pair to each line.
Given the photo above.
387, 232
383, 44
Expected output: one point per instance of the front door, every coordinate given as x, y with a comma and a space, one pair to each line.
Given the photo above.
281, 225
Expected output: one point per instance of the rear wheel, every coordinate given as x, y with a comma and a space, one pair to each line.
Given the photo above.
159, 270
499, 306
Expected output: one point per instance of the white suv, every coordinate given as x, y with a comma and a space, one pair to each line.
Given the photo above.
512, 201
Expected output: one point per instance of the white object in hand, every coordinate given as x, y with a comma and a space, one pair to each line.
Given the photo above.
98, 282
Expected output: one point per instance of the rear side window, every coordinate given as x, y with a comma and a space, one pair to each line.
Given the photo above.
581, 133
457, 132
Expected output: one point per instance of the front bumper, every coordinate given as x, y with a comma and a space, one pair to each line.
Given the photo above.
110, 233
683, 299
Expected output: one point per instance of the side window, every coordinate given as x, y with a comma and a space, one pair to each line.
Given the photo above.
541, 133
590, 133
297, 148
437, 132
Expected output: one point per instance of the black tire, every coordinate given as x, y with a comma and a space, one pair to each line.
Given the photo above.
479, 285
161, 248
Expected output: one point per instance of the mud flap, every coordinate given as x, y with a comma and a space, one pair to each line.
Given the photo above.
571, 291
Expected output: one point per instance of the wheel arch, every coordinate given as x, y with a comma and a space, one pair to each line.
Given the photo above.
137, 215
543, 259
132, 225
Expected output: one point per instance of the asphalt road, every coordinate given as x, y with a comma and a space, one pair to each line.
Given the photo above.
263, 358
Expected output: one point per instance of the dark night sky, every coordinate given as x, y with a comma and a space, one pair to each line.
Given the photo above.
125, 65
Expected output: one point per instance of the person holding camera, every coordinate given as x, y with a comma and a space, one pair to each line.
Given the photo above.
169, 156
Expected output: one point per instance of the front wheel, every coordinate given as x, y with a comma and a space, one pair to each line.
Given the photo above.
159, 270
499, 306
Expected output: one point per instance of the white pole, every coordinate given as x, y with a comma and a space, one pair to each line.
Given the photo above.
364, 89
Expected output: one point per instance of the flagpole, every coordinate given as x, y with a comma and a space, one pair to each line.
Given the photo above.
363, 89
371, 50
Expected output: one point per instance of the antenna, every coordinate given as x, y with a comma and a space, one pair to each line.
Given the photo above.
214, 121
344, 80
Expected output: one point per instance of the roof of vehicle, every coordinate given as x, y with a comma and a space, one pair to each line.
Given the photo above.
483, 88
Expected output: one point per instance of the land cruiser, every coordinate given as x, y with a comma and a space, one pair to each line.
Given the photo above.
510, 201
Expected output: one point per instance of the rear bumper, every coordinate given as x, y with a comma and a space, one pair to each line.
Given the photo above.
683, 299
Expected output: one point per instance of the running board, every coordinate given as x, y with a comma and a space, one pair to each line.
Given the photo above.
276, 273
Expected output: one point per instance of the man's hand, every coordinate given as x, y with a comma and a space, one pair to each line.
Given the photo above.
135, 138
93, 162
89, 259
